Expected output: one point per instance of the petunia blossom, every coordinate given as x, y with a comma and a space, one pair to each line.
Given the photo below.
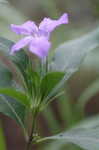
37, 37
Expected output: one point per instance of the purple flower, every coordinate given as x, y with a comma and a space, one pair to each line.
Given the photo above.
37, 38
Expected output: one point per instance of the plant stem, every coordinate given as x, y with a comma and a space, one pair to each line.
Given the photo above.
29, 145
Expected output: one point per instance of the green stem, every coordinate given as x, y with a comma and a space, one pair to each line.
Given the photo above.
31, 137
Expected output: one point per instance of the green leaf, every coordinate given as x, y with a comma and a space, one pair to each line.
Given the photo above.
49, 82
21, 97
69, 55
56, 145
19, 58
91, 122
5, 76
86, 139
16, 63
14, 110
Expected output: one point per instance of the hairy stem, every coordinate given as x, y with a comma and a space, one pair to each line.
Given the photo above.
31, 137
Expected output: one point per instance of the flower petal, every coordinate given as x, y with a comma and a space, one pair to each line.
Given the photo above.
40, 46
22, 43
49, 25
27, 28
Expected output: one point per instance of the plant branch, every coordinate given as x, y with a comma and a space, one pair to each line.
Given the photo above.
31, 137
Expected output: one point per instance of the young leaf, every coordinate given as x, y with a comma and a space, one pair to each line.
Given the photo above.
19, 96
86, 139
49, 82
33, 82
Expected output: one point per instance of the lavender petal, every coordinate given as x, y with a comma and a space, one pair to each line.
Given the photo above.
49, 25
22, 43
27, 28
40, 47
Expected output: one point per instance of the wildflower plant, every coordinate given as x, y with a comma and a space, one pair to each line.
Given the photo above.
36, 78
